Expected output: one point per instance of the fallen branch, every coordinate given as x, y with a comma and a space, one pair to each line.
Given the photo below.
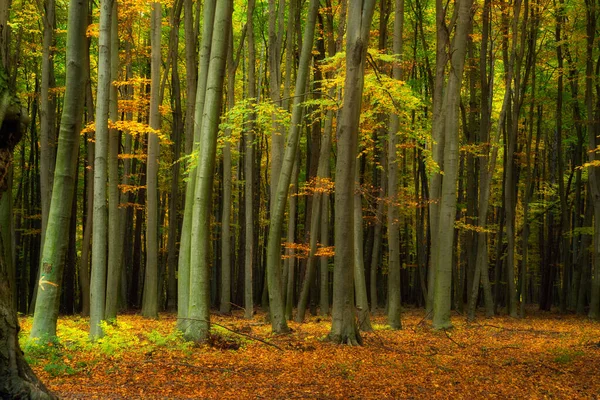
462, 346
236, 332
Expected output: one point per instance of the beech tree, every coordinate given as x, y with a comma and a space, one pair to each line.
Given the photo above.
56, 243
343, 327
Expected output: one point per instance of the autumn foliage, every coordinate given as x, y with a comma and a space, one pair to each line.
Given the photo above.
543, 356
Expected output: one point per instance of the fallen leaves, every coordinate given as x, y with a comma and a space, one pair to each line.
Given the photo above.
541, 356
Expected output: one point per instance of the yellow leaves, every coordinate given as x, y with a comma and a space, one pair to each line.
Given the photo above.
93, 30
461, 225
130, 188
316, 185
302, 250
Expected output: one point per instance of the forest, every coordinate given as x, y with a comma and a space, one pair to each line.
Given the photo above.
211, 188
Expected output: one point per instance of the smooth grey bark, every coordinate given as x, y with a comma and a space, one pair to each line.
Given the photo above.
360, 283
343, 327
199, 299
277, 307
86, 245
47, 111
65, 178
115, 243
249, 171
225, 301
443, 247
177, 130
290, 263
275, 31
183, 281
394, 308
150, 297
99, 230
191, 76
438, 143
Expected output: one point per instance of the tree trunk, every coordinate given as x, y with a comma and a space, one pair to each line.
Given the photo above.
47, 111
343, 328
199, 303
55, 247
360, 283
249, 171
183, 286
394, 309
443, 247
99, 231
150, 298
278, 320
115, 243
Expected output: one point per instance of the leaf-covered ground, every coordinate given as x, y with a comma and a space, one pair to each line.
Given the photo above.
542, 356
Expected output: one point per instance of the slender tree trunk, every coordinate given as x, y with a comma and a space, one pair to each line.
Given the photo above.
394, 309
99, 231
47, 112
191, 76
115, 244
86, 245
249, 171
150, 298
178, 129
360, 283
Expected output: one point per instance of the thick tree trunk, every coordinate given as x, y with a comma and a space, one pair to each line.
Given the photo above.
443, 246
199, 304
56, 244
343, 328
17, 380
183, 282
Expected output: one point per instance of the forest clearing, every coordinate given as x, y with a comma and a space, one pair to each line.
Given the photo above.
543, 356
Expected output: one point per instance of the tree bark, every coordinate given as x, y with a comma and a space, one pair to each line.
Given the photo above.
55, 247
443, 246
278, 320
150, 298
343, 328
199, 302
183, 282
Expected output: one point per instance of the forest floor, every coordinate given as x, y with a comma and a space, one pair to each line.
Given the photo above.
545, 355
